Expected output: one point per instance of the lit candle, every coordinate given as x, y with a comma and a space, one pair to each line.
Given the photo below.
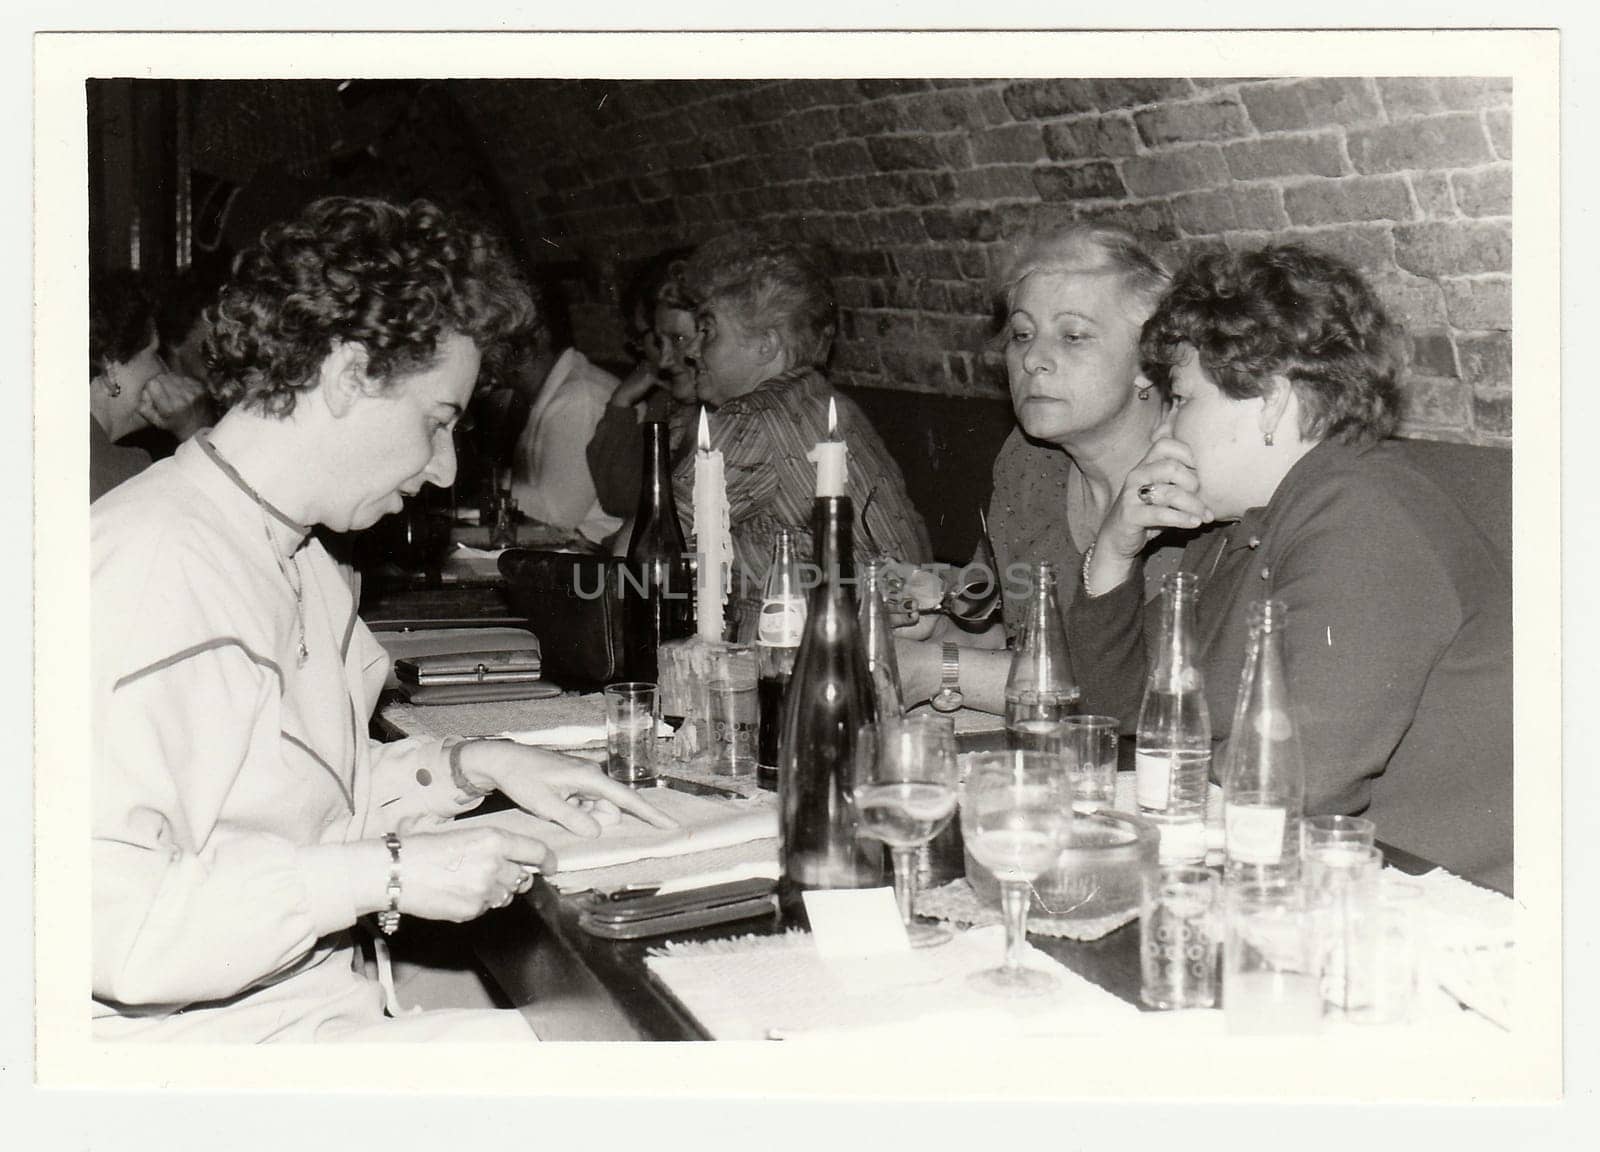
711, 536
830, 458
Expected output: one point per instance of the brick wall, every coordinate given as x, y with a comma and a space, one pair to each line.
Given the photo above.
912, 184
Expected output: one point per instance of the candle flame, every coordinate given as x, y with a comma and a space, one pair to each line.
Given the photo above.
833, 420
705, 432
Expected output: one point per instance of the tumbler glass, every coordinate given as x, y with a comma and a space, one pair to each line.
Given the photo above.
1341, 880
1270, 974
732, 710
1320, 831
631, 731
1090, 745
1178, 938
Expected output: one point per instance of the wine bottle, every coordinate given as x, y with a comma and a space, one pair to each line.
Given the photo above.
829, 697
1172, 753
783, 620
1040, 688
656, 590
878, 639
1263, 773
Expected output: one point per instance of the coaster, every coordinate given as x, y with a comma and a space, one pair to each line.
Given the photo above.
957, 903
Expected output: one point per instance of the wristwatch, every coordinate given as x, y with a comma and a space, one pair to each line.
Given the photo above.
948, 698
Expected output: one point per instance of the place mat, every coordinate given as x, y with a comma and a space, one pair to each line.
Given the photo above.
704, 824
487, 718
780, 987
1467, 941
959, 904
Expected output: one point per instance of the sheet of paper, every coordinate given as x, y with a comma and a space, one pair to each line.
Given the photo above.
703, 824
855, 922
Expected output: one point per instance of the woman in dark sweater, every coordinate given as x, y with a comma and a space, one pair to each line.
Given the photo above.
1284, 374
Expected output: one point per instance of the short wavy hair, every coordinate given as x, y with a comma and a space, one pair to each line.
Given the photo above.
658, 280
397, 280
1084, 247
1285, 310
122, 318
770, 283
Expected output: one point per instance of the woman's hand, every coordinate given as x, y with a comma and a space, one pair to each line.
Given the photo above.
1162, 491
913, 596
562, 789
176, 403
640, 383
460, 873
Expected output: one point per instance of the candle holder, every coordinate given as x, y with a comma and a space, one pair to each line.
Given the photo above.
684, 670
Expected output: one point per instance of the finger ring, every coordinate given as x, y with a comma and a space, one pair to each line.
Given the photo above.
525, 883
1147, 493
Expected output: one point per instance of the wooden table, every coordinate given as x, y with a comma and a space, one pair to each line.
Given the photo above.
574, 986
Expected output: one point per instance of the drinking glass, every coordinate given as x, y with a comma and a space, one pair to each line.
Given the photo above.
1270, 972
1178, 938
1090, 746
1318, 831
1384, 968
1016, 816
1342, 879
732, 711
905, 794
631, 731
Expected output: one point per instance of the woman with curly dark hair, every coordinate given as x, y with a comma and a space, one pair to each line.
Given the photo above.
243, 821
1284, 372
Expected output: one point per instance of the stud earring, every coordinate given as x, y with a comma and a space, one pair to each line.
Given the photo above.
1266, 438
1144, 393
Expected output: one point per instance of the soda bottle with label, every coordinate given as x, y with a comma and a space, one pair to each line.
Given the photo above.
783, 619
1263, 773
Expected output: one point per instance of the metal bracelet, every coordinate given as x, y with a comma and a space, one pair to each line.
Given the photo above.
389, 918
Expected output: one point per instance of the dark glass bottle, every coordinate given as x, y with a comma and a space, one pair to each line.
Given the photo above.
783, 620
656, 591
830, 696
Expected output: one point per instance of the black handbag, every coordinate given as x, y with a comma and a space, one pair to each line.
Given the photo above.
573, 604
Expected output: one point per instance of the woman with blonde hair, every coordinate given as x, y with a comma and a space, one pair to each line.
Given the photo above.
1075, 299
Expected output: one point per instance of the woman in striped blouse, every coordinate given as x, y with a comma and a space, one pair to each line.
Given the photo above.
765, 325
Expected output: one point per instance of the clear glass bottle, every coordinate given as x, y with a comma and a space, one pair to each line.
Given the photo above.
1263, 772
783, 621
1173, 749
828, 700
1041, 688
656, 590
879, 640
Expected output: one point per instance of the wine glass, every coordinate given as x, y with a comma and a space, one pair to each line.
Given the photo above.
1016, 816
905, 794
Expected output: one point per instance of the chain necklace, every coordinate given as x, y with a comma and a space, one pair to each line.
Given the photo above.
296, 582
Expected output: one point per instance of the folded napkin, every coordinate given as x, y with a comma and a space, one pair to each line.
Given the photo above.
1466, 938
704, 824
780, 986
560, 736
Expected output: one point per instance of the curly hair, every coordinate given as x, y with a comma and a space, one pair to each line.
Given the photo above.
771, 284
397, 280
122, 318
1088, 248
658, 280
1285, 310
